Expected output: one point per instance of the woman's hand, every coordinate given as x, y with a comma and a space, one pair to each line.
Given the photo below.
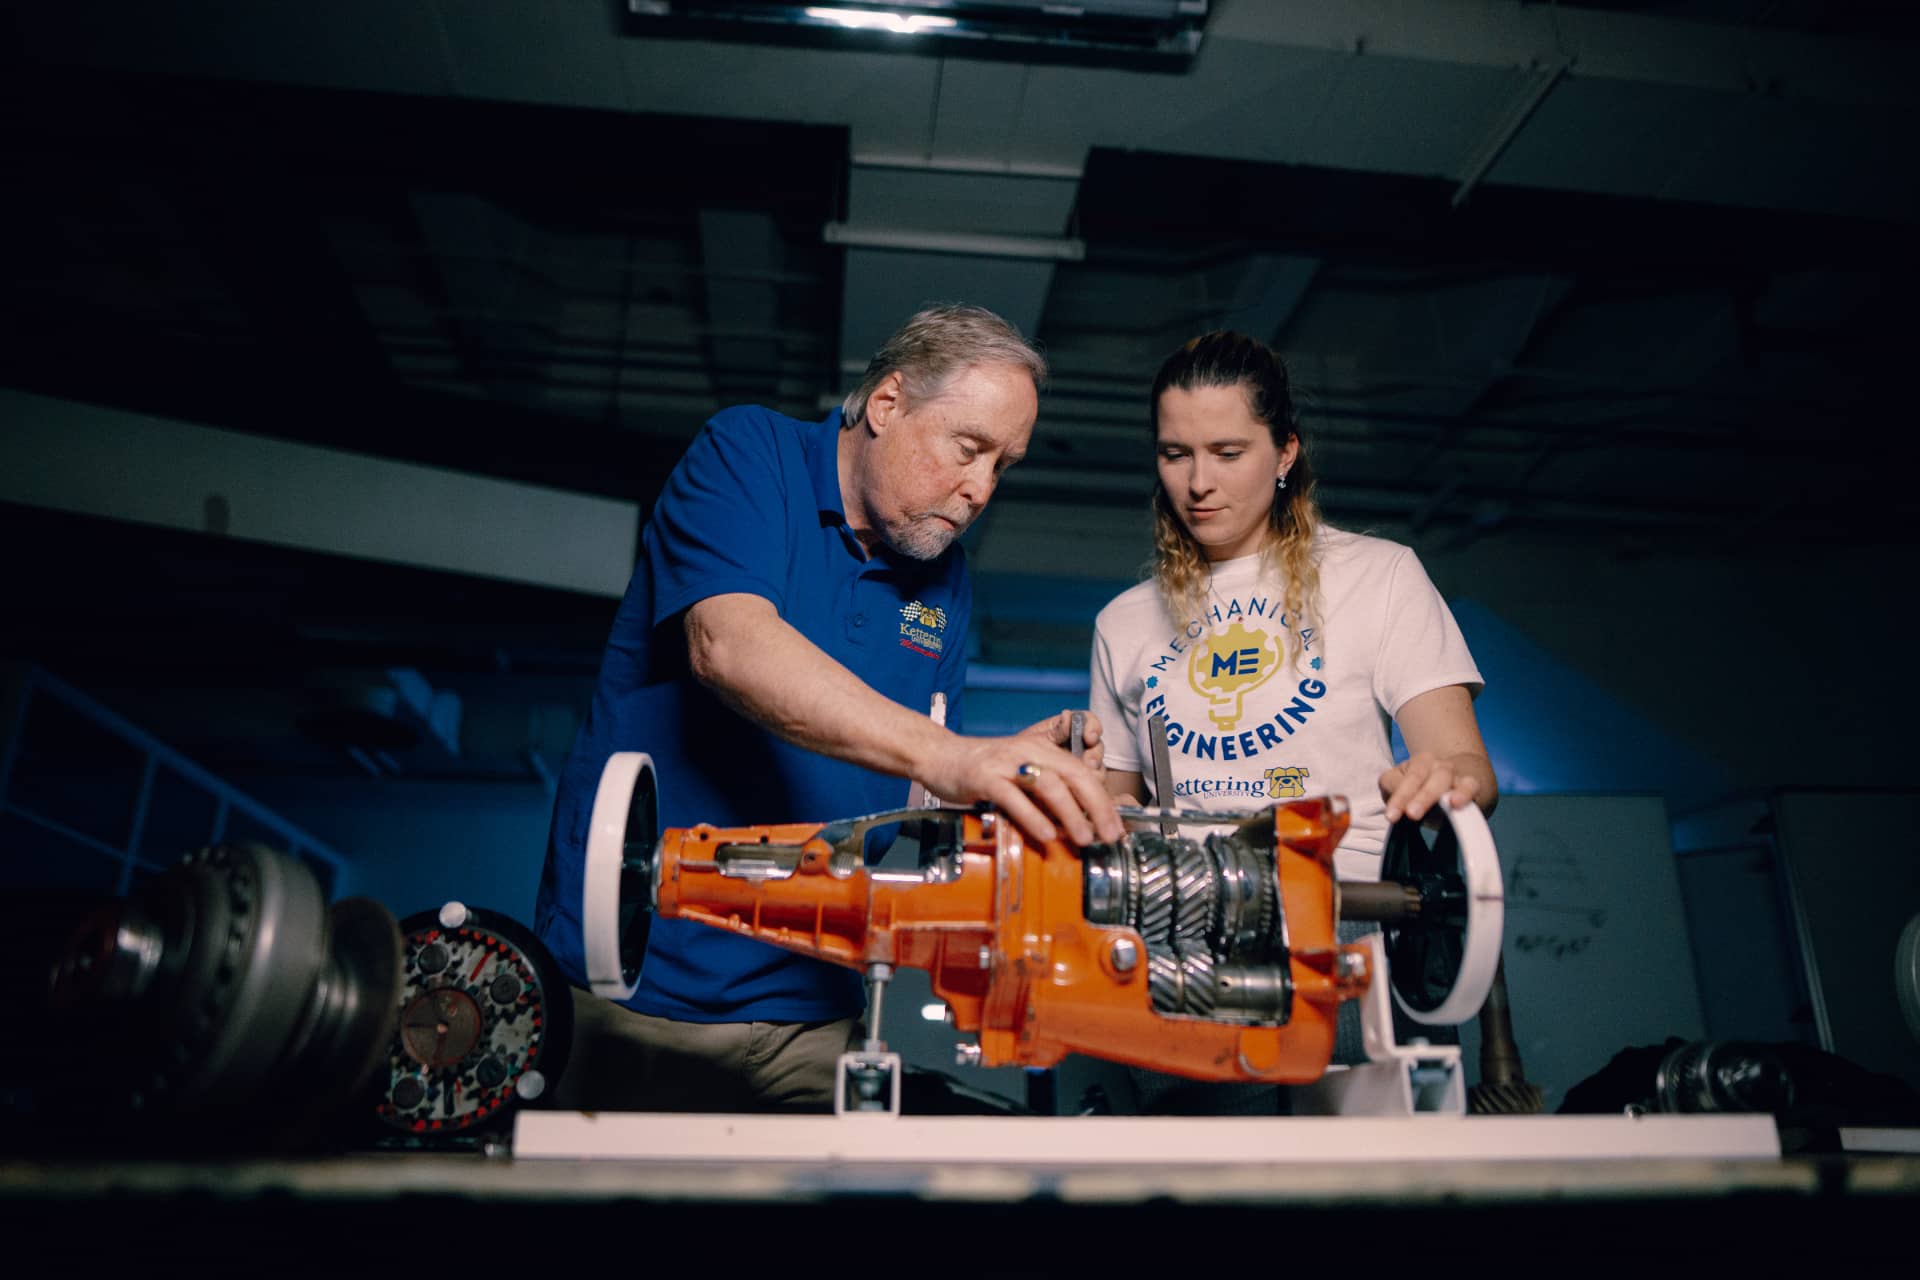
1415, 785
1446, 758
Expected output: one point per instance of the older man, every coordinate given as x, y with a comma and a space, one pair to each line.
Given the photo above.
798, 602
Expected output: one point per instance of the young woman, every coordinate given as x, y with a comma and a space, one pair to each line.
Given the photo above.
1272, 652
1275, 648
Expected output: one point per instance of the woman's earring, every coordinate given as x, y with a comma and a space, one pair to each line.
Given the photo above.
1281, 483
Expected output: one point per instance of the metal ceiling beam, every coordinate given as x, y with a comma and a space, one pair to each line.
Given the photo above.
962, 221
1539, 83
124, 466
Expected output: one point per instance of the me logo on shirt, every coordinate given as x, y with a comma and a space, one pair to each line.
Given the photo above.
1228, 667
922, 627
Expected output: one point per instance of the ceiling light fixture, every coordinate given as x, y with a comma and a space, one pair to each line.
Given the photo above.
901, 24
1146, 35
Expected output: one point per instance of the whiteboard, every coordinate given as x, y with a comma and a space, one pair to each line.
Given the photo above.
1596, 943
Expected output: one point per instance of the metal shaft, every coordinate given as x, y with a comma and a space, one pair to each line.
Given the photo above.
877, 976
1162, 774
1382, 901
1499, 1051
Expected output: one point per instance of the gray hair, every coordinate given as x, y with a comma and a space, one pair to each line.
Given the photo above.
934, 345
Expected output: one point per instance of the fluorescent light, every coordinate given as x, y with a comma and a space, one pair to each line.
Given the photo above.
1054, 248
901, 24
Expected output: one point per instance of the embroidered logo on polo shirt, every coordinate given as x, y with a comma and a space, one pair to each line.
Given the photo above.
922, 627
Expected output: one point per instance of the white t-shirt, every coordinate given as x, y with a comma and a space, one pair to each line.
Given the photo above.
1259, 709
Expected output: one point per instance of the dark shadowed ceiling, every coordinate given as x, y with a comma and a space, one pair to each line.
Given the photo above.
1635, 274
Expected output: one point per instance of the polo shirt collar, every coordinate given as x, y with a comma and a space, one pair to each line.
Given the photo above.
821, 443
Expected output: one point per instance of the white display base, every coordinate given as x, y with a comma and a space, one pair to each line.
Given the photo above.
1885, 1140
1135, 1140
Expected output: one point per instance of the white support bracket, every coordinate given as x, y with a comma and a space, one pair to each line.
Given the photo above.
1396, 1080
866, 1083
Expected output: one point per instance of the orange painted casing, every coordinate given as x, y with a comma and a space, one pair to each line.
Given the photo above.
1009, 948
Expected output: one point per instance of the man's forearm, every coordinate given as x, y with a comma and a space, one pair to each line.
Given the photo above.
766, 670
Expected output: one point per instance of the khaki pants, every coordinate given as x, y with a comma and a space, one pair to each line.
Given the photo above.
626, 1061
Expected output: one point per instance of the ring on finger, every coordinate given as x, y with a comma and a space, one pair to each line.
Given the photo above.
1027, 775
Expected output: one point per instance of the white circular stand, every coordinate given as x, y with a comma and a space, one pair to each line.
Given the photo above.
606, 859
1486, 921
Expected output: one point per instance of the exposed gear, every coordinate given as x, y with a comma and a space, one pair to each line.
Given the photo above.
1196, 900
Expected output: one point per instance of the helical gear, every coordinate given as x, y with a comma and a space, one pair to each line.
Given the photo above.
1209, 915
1165, 980
1195, 898
1196, 979
1155, 918
1246, 893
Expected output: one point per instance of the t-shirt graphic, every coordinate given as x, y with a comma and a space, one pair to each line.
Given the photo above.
1257, 706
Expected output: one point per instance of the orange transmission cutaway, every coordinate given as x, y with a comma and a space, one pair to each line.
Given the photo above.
1213, 958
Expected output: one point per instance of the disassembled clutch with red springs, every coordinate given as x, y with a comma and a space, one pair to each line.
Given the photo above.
1214, 957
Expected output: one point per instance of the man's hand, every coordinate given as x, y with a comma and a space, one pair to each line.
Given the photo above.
740, 647
1059, 788
1058, 730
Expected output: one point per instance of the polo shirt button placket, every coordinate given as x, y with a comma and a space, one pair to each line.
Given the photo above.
856, 613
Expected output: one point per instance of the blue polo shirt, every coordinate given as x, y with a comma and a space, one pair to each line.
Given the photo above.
754, 507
